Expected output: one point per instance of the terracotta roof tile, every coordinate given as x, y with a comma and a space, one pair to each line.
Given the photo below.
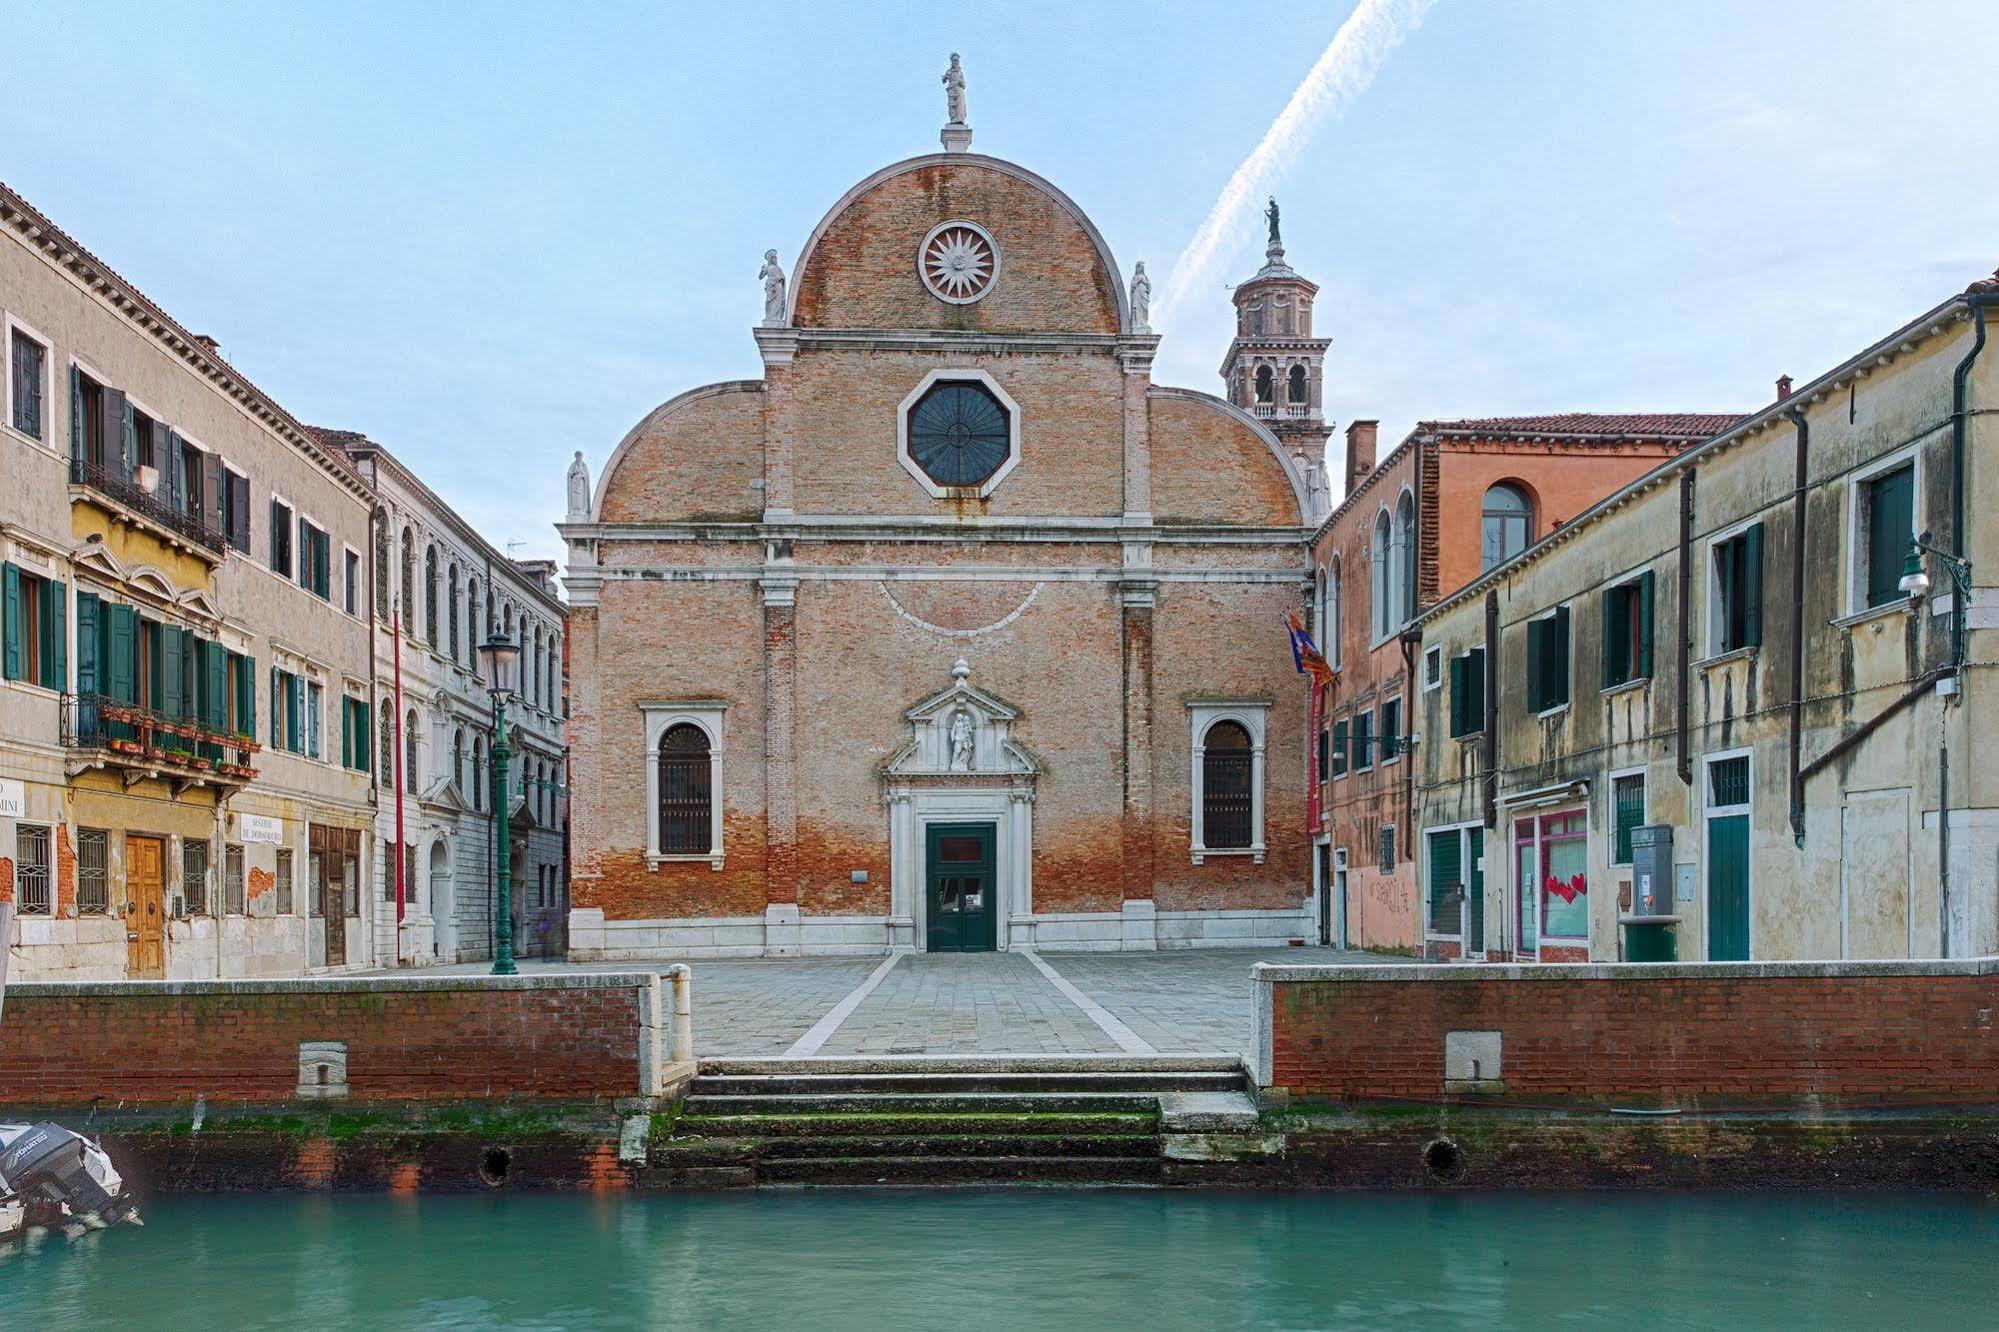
1641, 425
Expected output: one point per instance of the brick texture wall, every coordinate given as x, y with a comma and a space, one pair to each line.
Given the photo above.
1705, 1035
407, 1040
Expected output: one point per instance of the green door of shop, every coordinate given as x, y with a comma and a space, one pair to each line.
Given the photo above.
1728, 860
959, 888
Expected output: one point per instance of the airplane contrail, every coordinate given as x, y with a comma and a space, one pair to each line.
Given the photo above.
1341, 73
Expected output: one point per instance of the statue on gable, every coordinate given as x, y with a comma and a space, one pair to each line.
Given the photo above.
954, 91
1141, 300
579, 490
773, 279
962, 737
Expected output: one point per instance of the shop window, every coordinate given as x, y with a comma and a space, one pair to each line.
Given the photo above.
1551, 856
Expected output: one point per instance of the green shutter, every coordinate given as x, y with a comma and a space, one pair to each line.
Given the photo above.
1537, 664
167, 673
1609, 637
217, 670
277, 526
277, 710
246, 695
130, 447
12, 628
55, 635
1890, 521
1752, 586
123, 637
1340, 747
1645, 581
86, 642
78, 451
1558, 678
294, 714
1474, 891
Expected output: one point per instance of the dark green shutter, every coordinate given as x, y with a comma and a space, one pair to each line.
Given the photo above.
1890, 519
294, 713
86, 642
246, 695
1611, 636
1340, 747
12, 630
55, 627
77, 448
167, 672
128, 437
217, 665
176, 472
1644, 626
277, 708
1752, 586
1558, 678
1537, 664
1474, 891
122, 637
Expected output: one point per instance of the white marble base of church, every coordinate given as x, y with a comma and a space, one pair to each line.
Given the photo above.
783, 932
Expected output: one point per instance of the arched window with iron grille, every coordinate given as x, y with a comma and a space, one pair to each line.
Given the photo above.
1226, 805
686, 792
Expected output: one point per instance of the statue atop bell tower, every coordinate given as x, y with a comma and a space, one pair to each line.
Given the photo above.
1275, 368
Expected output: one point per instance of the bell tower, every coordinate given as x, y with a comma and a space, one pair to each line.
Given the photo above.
1275, 368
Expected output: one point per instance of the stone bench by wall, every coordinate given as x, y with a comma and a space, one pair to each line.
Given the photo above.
1714, 1034
448, 1038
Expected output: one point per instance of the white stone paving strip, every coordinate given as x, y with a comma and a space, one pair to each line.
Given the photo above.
1127, 1040
823, 1029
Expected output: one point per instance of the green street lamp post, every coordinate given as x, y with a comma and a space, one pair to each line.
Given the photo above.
500, 659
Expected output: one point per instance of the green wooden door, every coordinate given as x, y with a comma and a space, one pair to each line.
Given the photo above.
959, 888
1728, 888
1474, 891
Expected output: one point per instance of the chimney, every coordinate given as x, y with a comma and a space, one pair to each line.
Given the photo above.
1360, 451
213, 347
1783, 387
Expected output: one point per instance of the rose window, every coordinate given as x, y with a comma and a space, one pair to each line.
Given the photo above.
958, 261
958, 433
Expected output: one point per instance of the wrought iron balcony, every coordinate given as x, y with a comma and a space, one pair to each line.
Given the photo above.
104, 732
114, 484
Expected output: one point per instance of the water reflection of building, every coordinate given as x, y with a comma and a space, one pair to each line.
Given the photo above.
184, 779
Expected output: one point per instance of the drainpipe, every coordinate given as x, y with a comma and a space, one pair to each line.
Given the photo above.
1804, 431
1682, 686
1491, 719
1960, 392
1412, 639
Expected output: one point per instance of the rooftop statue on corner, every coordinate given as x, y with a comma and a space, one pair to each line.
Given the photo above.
772, 276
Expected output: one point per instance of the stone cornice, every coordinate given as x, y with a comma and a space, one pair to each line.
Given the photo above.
63, 251
925, 528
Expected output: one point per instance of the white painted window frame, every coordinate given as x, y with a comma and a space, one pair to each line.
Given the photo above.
1433, 669
360, 580
1711, 582
659, 718
47, 442
1251, 714
1857, 483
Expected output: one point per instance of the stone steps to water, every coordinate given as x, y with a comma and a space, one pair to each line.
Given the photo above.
945, 1120
832, 1102
789, 1084
960, 1170
1018, 1124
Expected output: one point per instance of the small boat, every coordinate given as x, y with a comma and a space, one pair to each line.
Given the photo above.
51, 1176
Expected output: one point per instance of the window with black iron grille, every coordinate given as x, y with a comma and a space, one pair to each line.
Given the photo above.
1225, 787
194, 878
686, 795
1388, 848
232, 881
1627, 800
93, 871
1728, 782
284, 882
31, 869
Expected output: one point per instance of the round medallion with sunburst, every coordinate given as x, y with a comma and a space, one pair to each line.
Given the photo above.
958, 261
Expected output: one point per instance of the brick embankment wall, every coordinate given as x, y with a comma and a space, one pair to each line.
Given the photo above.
1756, 1034
459, 1038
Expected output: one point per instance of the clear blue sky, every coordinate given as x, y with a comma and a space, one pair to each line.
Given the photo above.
490, 235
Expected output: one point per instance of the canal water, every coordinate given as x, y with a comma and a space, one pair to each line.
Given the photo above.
1017, 1260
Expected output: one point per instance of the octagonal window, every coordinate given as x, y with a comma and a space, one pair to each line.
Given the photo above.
959, 433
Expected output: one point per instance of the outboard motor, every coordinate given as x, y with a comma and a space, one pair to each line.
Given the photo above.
61, 1178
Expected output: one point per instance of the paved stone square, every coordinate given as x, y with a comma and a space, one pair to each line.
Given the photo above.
1190, 1000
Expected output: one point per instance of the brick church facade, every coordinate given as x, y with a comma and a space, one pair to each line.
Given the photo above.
953, 630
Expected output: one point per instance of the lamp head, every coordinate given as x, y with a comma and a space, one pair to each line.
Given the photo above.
499, 664
1915, 583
